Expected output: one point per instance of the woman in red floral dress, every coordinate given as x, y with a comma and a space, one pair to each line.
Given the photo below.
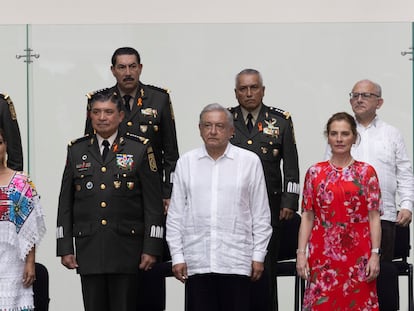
340, 233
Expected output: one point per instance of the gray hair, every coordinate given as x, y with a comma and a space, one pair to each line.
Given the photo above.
377, 87
249, 71
217, 107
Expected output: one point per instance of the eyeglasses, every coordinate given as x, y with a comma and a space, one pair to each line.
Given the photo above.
363, 95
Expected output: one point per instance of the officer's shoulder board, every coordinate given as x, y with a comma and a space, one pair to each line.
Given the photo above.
157, 88
78, 140
280, 112
90, 94
137, 138
11, 105
231, 109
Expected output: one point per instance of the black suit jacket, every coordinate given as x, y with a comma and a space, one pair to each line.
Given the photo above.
8, 122
112, 209
152, 117
272, 139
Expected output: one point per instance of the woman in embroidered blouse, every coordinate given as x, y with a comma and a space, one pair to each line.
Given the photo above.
340, 232
21, 228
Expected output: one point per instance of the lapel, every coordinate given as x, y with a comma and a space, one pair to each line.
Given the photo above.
113, 150
94, 149
242, 127
138, 101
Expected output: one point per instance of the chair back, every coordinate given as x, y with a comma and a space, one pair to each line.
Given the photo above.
289, 238
402, 243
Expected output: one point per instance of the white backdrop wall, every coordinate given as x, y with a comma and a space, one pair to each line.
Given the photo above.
308, 70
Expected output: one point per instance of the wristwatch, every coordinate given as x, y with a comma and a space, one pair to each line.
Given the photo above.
376, 250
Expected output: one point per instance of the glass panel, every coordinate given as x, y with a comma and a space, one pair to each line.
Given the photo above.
13, 78
308, 69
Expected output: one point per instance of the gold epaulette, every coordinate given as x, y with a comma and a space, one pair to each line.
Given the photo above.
138, 138
78, 140
282, 113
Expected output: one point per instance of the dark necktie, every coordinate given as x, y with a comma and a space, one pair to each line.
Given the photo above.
249, 122
126, 100
105, 151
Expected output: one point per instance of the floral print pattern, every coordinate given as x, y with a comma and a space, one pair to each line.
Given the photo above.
340, 243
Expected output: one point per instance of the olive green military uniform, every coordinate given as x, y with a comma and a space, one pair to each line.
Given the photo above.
152, 117
272, 139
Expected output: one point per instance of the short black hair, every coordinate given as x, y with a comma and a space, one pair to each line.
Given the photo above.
106, 95
125, 51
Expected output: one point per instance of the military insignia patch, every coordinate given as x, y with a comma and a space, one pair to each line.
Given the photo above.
151, 160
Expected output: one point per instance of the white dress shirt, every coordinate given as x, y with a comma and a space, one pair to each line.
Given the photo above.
219, 218
110, 140
382, 146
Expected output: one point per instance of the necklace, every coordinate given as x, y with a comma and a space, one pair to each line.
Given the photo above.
340, 169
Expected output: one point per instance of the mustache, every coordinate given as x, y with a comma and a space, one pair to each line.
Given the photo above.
128, 78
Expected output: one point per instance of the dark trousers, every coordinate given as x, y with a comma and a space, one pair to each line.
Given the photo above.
387, 287
152, 290
217, 292
264, 291
109, 292
387, 281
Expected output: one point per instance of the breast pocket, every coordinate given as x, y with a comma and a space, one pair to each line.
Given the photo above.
269, 148
125, 183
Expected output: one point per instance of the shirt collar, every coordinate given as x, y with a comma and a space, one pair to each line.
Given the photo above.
373, 123
255, 113
228, 153
110, 139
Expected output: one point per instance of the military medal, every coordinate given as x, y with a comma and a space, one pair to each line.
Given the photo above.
271, 129
130, 185
117, 184
125, 161
143, 128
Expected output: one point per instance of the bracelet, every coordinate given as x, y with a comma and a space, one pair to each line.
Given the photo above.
303, 251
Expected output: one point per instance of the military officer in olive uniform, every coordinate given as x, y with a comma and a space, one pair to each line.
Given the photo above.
268, 132
148, 113
110, 203
8, 122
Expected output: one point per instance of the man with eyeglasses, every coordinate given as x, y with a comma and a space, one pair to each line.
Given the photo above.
382, 146
268, 132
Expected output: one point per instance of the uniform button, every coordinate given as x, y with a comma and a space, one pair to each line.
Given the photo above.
133, 231
103, 204
103, 169
103, 186
249, 142
103, 222
129, 123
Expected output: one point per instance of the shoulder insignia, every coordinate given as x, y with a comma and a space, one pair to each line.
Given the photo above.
90, 94
138, 138
78, 140
151, 159
11, 106
280, 112
158, 88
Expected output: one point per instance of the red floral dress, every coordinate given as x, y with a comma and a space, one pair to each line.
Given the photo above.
340, 243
